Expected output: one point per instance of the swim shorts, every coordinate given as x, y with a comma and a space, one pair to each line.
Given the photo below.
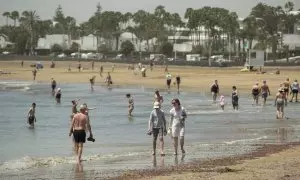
79, 136
30, 119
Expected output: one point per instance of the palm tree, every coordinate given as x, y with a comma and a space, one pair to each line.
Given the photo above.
28, 21
15, 16
6, 14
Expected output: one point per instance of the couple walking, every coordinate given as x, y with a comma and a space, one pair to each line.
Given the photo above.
158, 128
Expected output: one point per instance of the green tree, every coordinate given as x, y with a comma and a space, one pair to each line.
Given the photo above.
29, 22
15, 16
6, 15
56, 48
167, 49
74, 47
127, 48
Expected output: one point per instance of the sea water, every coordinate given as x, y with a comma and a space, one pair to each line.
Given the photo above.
121, 141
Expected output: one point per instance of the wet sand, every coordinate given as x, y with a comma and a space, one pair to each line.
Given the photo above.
268, 162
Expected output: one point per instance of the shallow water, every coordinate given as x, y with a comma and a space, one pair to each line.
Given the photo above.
121, 142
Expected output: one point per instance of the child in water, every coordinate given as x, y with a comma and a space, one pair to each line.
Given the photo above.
222, 102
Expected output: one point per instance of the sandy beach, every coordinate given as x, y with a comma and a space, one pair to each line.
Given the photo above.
194, 79
268, 162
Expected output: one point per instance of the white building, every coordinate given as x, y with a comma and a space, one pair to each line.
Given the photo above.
4, 42
50, 40
88, 43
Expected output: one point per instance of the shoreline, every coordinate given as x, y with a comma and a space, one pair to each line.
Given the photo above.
213, 168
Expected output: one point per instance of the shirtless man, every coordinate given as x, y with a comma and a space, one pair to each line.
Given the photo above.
58, 95
31, 115
265, 91
235, 98
255, 93
295, 90
280, 102
286, 86
78, 126
130, 104
92, 81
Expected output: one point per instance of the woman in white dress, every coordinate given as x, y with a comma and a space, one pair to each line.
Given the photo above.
177, 124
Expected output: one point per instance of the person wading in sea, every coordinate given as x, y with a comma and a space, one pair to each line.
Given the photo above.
53, 86
280, 102
265, 91
130, 104
255, 93
78, 127
31, 119
214, 89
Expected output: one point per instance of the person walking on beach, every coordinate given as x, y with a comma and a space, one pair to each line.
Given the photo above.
78, 127
58, 95
151, 65
157, 127
295, 90
92, 82
34, 72
22, 63
169, 80
255, 93
113, 68
177, 124
214, 89
286, 86
79, 66
31, 119
265, 91
280, 102
108, 80
101, 70
235, 98
158, 97
222, 102
178, 81
130, 104
53, 85
93, 64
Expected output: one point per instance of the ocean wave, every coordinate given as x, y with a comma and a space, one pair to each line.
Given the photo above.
242, 141
212, 112
42, 162
15, 85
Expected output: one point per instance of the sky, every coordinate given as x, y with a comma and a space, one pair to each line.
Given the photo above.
83, 9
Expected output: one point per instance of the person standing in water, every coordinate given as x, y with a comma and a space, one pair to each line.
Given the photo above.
177, 124
92, 82
34, 72
108, 80
255, 93
78, 127
265, 91
130, 104
157, 127
58, 95
280, 102
286, 86
53, 86
222, 102
169, 80
295, 91
235, 98
178, 81
214, 89
74, 108
31, 119
158, 97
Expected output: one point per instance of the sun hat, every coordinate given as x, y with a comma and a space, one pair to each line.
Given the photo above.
156, 105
